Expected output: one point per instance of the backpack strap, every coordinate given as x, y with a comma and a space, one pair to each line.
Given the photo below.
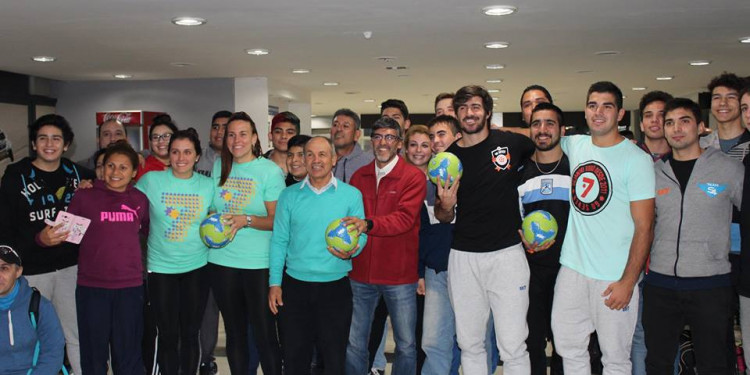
34, 317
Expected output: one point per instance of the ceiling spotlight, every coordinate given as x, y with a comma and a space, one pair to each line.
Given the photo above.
492, 91
607, 53
181, 64
330, 83
43, 58
300, 71
494, 81
495, 66
188, 21
313, 116
639, 88
257, 51
369, 100
665, 78
700, 62
499, 10
495, 98
122, 76
496, 45
745, 40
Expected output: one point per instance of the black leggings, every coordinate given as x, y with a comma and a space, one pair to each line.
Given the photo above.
178, 302
243, 294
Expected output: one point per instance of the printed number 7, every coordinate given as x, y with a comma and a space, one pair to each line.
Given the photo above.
588, 183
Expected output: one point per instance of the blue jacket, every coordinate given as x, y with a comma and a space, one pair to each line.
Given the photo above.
18, 338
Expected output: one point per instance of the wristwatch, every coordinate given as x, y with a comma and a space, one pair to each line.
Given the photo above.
249, 220
369, 225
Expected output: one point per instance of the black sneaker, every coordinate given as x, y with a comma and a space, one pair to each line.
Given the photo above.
209, 368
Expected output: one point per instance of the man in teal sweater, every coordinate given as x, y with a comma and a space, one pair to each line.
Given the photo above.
317, 300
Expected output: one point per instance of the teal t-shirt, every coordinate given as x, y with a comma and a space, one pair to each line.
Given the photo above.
298, 242
604, 180
176, 207
249, 186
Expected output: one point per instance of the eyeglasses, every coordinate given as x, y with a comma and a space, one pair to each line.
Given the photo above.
390, 138
160, 137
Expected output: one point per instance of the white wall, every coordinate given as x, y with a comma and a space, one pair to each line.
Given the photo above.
191, 103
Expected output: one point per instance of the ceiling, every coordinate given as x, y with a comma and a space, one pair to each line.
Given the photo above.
441, 42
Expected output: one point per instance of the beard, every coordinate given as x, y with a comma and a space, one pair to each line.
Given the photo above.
549, 146
479, 128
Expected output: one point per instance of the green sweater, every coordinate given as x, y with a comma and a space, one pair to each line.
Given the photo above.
298, 239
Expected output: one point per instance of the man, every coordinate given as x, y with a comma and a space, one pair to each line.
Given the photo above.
108, 133
651, 109
487, 266
545, 185
745, 105
530, 97
393, 191
210, 326
444, 104
345, 131
215, 140
744, 284
295, 159
18, 335
731, 137
317, 298
396, 109
33, 191
689, 273
607, 240
284, 125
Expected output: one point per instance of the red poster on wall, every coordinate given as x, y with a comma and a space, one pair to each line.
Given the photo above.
136, 124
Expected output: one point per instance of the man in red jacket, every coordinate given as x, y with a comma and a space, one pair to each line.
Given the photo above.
392, 191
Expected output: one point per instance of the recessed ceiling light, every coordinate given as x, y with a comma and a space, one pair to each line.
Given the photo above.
664, 78
300, 71
495, 66
639, 88
330, 83
181, 64
496, 45
313, 116
495, 98
607, 53
369, 100
700, 62
499, 10
745, 40
257, 51
492, 91
624, 96
494, 81
122, 76
188, 21
44, 58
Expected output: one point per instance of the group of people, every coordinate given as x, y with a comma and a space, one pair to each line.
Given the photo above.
446, 262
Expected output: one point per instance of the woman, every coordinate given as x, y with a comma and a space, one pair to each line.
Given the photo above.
179, 200
247, 188
159, 135
109, 297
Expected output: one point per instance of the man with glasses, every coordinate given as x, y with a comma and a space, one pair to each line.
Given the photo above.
392, 191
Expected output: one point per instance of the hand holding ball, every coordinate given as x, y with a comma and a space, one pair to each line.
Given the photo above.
444, 167
341, 237
214, 232
539, 228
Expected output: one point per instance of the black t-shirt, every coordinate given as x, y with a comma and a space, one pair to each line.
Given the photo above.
682, 170
487, 213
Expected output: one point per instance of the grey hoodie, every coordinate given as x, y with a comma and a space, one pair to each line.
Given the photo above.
691, 235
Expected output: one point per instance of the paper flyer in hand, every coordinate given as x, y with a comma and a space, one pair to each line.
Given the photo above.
75, 225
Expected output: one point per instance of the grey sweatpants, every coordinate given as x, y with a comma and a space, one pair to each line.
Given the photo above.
60, 288
497, 281
577, 311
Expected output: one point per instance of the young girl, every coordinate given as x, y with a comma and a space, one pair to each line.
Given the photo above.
109, 297
159, 135
247, 188
179, 200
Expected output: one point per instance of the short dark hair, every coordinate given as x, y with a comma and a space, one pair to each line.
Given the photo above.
745, 90
221, 114
536, 88
653, 96
299, 140
122, 147
549, 107
687, 104
163, 119
52, 120
349, 113
606, 87
728, 80
191, 135
441, 96
395, 103
451, 121
387, 123
467, 92
285, 116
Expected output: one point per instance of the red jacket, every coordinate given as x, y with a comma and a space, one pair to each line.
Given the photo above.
392, 251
